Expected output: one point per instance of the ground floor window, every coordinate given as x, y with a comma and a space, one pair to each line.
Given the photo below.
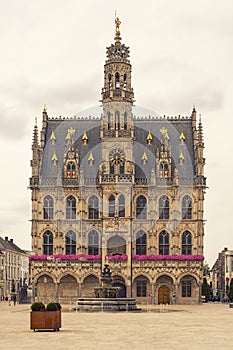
141, 288
186, 289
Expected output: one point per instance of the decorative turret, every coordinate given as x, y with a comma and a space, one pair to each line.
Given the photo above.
199, 152
35, 152
117, 117
44, 124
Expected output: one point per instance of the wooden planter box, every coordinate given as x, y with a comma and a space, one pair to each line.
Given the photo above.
46, 320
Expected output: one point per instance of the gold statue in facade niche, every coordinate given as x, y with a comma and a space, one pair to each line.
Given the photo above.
164, 133
118, 22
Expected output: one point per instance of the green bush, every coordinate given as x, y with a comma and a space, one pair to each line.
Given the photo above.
53, 307
37, 306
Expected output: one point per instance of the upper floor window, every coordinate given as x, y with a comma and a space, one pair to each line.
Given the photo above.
117, 120
163, 169
109, 120
164, 208
187, 208
111, 206
164, 243
141, 207
71, 169
70, 242
125, 121
93, 243
48, 207
93, 207
186, 243
117, 80
109, 81
141, 243
121, 206
122, 168
186, 288
112, 168
47, 243
125, 81
70, 208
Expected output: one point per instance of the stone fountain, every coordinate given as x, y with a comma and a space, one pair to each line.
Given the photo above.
106, 297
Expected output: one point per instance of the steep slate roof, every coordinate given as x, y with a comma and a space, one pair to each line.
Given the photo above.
10, 245
142, 126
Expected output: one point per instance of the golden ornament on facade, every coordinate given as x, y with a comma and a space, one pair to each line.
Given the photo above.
182, 137
164, 133
181, 157
149, 138
54, 158
85, 138
91, 159
53, 138
70, 133
144, 158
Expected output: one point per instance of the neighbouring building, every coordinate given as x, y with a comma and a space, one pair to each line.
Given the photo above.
120, 189
14, 268
222, 273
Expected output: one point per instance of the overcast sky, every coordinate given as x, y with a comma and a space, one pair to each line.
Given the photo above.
53, 52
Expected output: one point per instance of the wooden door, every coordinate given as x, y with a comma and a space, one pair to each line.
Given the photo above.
164, 295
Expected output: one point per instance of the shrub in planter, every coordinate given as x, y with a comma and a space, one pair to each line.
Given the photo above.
53, 307
37, 306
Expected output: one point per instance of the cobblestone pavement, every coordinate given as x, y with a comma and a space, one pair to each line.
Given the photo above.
199, 327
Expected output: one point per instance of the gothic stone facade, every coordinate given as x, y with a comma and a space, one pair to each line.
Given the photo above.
119, 189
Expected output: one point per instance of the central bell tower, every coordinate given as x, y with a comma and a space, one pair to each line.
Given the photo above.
117, 94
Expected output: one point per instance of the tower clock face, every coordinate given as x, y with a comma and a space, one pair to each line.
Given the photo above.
117, 157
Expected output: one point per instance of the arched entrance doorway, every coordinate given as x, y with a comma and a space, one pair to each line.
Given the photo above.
45, 289
164, 295
116, 245
89, 283
68, 289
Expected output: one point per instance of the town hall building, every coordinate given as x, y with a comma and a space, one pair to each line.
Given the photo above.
120, 189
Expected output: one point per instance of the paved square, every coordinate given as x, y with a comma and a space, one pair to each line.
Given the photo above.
207, 327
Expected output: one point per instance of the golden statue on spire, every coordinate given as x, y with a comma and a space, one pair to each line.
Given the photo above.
118, 22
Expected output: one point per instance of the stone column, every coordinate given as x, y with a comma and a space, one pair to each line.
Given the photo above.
153, 294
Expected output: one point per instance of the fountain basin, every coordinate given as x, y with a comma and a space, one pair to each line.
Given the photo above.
107, 304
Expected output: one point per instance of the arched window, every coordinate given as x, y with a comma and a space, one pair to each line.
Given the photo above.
117, 120
163, 169
141, 286
121, 206
164, 207
111, 206
71, 169
70, 208
48, 243
186, 208
186, 288
164, 243
122, 168
117, 80
141, 243
125, 121
71, 166
109, 120
125, 81
109, 81
141, 207
48, 207
112, 168
93, 243
93, 208
70, 242
186, 243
